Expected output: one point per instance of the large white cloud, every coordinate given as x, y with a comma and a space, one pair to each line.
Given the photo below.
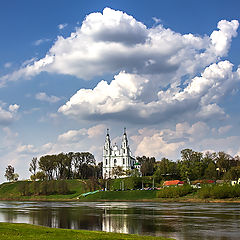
113, 41
156, 69
138, 99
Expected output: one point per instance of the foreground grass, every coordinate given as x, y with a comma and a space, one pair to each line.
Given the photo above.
12, 231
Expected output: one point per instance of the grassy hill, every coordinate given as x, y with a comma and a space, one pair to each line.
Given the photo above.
121, 195
11, 191
76, 187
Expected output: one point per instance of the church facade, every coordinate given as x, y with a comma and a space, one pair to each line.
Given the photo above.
113, 156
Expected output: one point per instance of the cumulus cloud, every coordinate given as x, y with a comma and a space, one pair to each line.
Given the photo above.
26, 149
169, 142
76, 135
7, 116
224, 129
157, 71
42, 96
128, 96
113, 41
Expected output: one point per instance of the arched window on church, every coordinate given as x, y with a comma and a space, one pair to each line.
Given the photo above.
115, 162
106, 161
123, 161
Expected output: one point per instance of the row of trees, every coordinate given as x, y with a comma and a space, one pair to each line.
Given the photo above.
196, 165
80, 165
193, 165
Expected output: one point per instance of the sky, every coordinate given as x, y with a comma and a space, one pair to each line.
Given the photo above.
166, 70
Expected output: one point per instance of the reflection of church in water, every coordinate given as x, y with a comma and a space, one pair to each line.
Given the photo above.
119, 222
117, 157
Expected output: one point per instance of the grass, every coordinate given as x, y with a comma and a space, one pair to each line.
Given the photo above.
122, 195
10, 191
17, 231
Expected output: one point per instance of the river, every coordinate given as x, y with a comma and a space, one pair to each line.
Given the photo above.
213, 221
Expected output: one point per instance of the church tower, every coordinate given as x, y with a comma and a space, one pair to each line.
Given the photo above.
114, 157
124, 146
107, 156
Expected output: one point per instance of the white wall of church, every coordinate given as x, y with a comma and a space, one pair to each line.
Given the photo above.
114, 156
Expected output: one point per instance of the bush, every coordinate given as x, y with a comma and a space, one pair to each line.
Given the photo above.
219, 191
174, 192
44, 188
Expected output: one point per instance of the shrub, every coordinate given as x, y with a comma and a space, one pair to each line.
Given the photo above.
219, 191
174, 192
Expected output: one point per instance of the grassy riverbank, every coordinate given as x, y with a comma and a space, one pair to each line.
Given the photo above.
10, 231
214, 193
11, 191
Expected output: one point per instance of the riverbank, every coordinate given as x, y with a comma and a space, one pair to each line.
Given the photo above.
10, 192
17, 231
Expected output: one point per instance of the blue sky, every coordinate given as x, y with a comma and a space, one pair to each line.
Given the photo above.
166, 70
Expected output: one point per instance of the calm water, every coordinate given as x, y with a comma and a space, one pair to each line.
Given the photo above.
178, 220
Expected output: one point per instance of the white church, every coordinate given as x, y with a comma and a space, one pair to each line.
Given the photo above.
113, 156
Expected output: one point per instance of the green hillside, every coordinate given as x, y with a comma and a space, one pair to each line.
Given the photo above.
11, 191
131, 195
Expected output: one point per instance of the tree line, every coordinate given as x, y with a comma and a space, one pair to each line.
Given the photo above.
79, 165
193, 165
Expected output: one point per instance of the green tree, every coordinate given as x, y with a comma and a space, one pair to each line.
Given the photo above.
62, 187
33, 167
44, 188
48, 165
232, 174
147, 165
9, 173
210, 171
24, 188
224, 162
40, 176
165, 169
191, 164
118, 171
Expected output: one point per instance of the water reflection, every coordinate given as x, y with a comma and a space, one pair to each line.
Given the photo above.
177, 220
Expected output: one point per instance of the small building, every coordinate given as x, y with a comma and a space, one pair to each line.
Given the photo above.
173, 183
235, 182
199, 183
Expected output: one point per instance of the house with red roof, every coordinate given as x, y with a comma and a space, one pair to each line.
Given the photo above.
173, 183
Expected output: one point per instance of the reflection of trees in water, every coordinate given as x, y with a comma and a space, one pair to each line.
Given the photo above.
10, 215
72, 218
182, 221
43, 216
